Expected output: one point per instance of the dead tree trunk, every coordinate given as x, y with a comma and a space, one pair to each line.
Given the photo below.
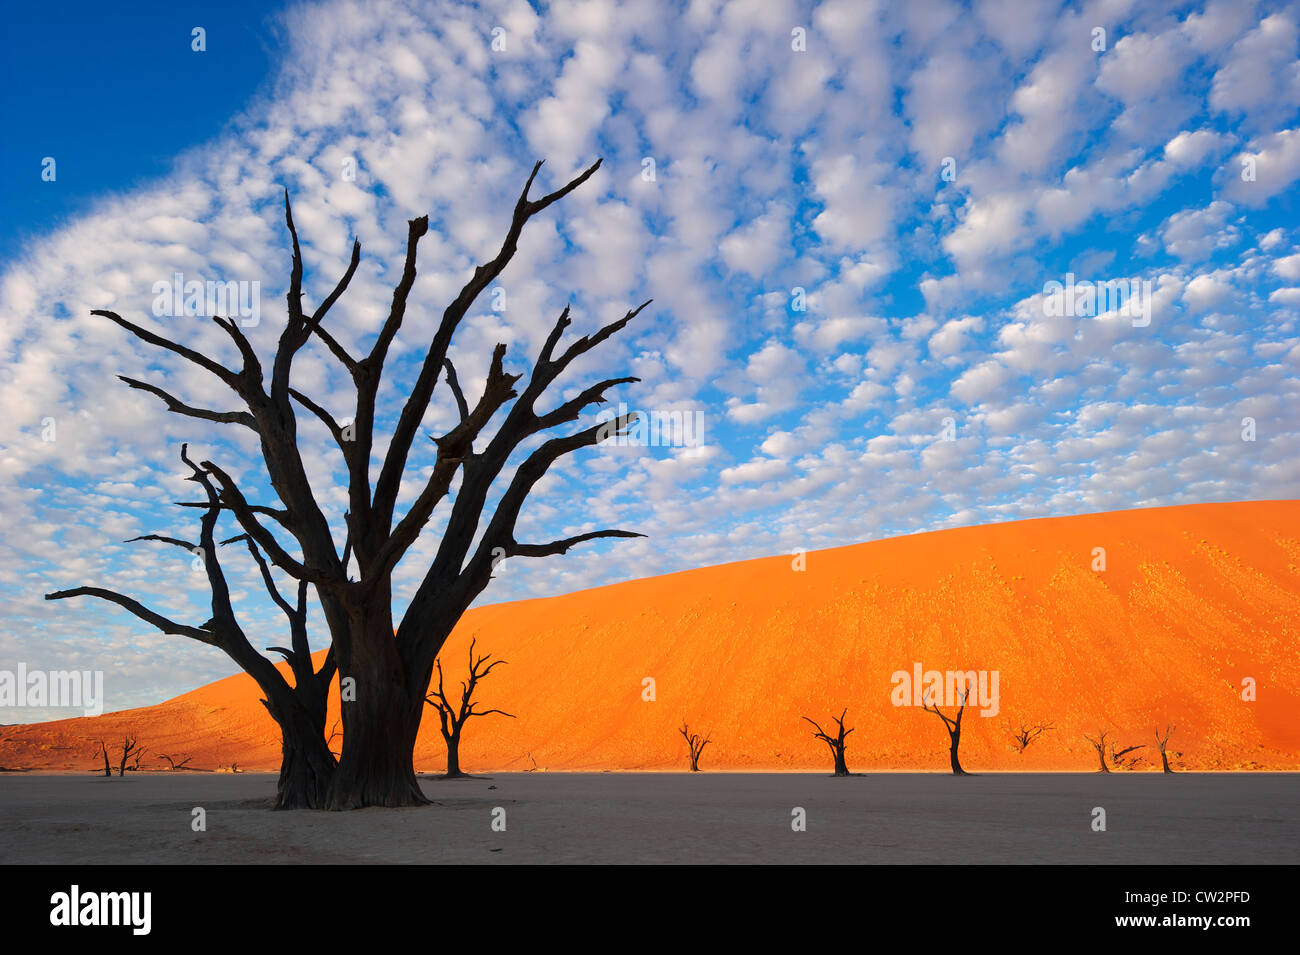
836, 743
953, 726
452, 717
128, 747
1099, 744
108, 770
1163, 742
385, 671
696, 743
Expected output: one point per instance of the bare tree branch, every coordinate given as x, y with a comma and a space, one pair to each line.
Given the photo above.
176, 406
156, 620
513, 549
399, 447
189, 354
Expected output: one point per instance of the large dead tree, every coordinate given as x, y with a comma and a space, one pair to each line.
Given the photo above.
453, 716
387, 668
953, 726
835, 743
306, 764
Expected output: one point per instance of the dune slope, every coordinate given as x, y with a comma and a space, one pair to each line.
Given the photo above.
1193, 600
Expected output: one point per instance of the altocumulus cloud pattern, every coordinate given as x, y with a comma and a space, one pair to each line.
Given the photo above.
847, 214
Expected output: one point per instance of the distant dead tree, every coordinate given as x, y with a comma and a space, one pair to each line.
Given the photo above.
453, 717
129, 747
1121, 759
953, 725
130, 751
1162, 742
172, 765
1099, 744
696, 742
103, 750
835, 743
1026, 733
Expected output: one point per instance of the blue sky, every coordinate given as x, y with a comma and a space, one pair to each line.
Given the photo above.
115, 114
799, 154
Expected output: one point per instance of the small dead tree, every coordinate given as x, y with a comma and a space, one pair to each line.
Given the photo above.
835, 743
1099, 744
103, 751
172, 765
1026, 733
696, 742
1163, 742
128, 750
453, 718
953, 726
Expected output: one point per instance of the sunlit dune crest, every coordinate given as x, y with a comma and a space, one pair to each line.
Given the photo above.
1193, 601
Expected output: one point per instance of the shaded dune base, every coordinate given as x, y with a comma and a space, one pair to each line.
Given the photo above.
1193, 600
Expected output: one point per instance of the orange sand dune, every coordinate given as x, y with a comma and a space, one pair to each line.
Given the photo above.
1193, 600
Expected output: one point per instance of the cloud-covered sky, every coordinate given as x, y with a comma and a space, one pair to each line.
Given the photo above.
846, 213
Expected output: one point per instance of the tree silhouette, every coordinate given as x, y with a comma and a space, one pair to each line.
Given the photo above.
103, 751
172, 764
835, 743
695, 743
953, 726
1099, 744
131, 750
387, 668
299, 710
1026, 733
1163, 742
135, 754
452, 717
